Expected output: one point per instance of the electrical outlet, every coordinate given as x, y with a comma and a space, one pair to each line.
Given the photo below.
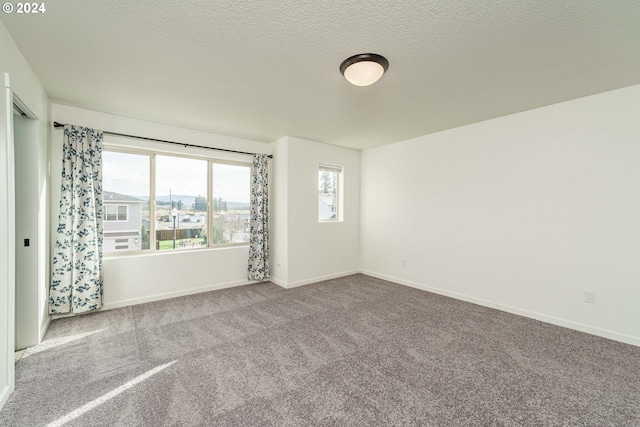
403, 262
590, 296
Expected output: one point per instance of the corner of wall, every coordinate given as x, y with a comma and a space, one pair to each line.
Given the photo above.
279, 216
521, 213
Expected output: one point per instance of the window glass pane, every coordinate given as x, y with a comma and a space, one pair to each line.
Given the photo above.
231, 188
181, 203
110, 212
126, 189
122, 212
328, 197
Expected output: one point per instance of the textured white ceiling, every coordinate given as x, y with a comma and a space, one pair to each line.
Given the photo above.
265, 69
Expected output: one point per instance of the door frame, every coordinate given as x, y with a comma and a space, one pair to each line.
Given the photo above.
8, 249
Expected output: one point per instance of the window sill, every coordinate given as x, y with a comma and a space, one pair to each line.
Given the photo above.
148, 253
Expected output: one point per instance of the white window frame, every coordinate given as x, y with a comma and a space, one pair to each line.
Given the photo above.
339, 171
152, 153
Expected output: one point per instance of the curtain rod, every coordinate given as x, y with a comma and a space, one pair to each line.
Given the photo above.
60, 125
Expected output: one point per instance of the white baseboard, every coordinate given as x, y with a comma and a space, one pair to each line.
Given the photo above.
309, 281
570, 324
278, 282
5, 393
167, 295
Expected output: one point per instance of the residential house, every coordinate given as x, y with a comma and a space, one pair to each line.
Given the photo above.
327, 206
122, 222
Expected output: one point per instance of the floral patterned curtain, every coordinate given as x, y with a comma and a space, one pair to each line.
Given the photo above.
259, 223
76, 284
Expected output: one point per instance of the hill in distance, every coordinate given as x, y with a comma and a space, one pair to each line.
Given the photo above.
189, 200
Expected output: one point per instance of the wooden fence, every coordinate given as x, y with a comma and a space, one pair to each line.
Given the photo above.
183, 233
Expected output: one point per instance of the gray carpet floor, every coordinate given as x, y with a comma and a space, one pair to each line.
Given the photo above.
351, 351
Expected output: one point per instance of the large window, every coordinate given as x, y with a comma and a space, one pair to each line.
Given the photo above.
194, 202
329, 181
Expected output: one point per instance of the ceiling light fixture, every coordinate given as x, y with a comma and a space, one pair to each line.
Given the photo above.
364, 69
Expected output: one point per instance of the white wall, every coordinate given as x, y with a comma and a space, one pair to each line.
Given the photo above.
278, 215
306, 250
29, 91
522, 213
136, 279
314, 251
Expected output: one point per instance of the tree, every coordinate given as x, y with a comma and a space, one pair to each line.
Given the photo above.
219, 205
233, 224
200, 204
179, 205
218, 233
327, 182
145, 237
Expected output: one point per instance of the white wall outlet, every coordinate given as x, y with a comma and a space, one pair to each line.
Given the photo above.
590, 296
403, 262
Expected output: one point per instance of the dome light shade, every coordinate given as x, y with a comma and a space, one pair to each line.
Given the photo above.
364, 69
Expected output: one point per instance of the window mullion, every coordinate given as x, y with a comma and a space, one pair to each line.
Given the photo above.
209, 203
152, 204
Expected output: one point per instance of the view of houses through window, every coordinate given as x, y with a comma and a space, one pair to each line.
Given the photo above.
126, 190
179, 181
182, 216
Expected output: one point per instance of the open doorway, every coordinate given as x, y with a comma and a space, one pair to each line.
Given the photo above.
25, 127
